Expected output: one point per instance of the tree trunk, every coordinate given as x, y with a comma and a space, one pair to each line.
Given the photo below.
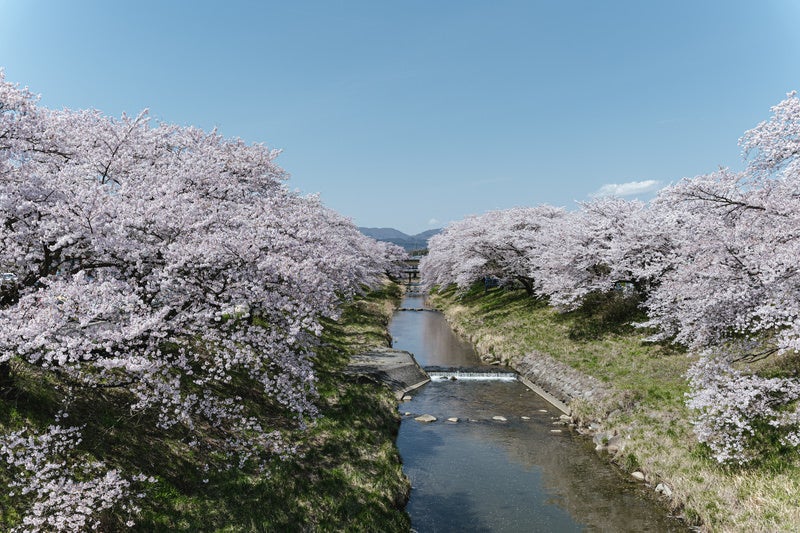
527, 283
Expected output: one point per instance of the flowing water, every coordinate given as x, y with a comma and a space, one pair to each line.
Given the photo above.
484, 474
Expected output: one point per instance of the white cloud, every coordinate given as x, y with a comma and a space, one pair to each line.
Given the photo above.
433, 222
631, 188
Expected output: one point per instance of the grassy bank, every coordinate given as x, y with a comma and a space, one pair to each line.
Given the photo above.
346, 475
645, 408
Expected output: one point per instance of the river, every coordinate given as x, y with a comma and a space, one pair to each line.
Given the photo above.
481, 474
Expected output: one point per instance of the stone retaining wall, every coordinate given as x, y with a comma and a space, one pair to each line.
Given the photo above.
556, 382
559, 379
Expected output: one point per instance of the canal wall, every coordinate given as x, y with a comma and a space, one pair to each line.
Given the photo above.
552, 378
396, 368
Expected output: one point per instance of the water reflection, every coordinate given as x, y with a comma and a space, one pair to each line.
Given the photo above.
428, 336
510, 476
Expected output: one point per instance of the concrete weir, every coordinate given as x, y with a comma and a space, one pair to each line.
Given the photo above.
398, 369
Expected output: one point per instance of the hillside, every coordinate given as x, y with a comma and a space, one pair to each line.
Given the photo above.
408, 242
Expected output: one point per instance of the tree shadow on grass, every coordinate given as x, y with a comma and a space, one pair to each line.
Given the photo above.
604, 313
496, 300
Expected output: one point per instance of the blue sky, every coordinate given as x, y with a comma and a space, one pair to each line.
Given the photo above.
414, 113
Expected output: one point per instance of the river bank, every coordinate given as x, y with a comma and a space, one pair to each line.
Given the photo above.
629, 396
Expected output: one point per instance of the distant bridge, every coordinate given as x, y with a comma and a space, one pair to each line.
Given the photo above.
411, 271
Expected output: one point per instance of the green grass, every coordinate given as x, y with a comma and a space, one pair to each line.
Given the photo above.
346, 475
645, 406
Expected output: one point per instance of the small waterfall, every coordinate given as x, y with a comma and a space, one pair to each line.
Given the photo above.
472, 374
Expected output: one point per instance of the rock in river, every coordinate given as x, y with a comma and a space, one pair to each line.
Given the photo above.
425, 418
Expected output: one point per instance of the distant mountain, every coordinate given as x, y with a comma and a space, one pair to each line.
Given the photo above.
408, 242
428, 234
382, 234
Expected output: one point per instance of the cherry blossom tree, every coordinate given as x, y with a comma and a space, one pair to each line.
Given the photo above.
735, 286
501, 244
165, 261
735, 409
714, 257
576, 258
734, 289
552, 252
454, 255
64, 491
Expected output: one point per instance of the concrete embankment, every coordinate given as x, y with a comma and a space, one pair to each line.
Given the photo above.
558, 382
398, 369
